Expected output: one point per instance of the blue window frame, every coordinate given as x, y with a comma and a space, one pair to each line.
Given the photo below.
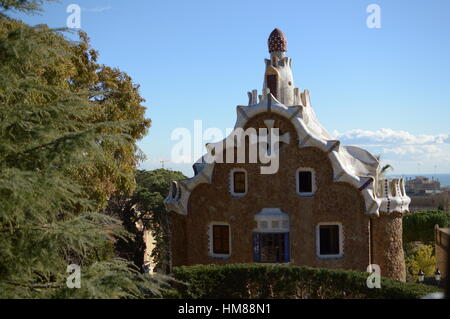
271, 247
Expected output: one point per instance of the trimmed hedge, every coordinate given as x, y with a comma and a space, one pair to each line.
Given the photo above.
419, 226
258, 281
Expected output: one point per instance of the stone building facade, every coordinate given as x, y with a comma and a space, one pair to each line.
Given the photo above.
325, 206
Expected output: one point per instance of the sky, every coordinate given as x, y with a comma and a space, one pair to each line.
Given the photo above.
384, 89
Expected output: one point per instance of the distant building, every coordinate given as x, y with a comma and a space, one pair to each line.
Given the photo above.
427, 194
422, 186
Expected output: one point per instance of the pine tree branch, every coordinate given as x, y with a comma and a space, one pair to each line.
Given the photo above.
35, 286
55, 142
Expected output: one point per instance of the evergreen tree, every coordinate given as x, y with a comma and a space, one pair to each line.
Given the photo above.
21, 5
145, 208
68, 132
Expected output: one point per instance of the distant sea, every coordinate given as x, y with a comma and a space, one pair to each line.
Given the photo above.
444, 179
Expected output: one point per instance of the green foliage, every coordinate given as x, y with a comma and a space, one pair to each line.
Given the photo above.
153, 187
22, 5
68, 132
420, 257
115, 279
249, 281
145, 207
419, 226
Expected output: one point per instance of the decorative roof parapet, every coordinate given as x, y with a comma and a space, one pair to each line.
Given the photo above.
392, 195
253, 97
350, 164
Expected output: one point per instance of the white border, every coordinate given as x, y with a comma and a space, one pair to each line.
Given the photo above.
211, 238
341, 240
313, 181
231, 184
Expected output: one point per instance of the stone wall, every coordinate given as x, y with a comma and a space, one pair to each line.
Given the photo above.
442, 248
178, 239
387, 249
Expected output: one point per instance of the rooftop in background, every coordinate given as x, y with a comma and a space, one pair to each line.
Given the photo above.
444, 179
424, 180
422, 185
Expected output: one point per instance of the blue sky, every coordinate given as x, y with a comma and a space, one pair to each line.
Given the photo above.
387, 89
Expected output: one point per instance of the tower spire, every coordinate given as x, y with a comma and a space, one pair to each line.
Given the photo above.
278, 76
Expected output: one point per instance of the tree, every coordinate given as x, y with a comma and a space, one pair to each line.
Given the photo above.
68, 132
145, 207
420, 225
21, 5
420, 258
117, 100
153, 187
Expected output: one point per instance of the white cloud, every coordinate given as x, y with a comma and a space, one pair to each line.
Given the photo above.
97, 9
389, 136
406, 151
426, 151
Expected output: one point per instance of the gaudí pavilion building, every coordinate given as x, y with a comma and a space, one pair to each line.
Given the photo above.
326, 205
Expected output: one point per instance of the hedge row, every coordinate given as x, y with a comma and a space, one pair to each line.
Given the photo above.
257, 281
419, 226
